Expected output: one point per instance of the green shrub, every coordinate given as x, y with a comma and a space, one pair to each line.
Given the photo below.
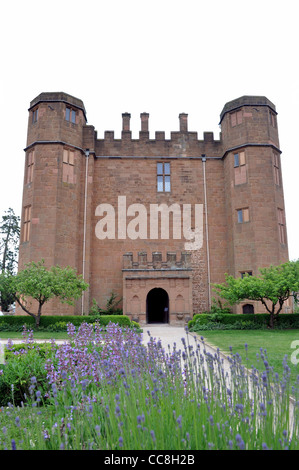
58, 322
218, 308
241, 325
16, 322
111, 306
135, 325
59, 326
18, 349
18, 374
239, 321
121, 320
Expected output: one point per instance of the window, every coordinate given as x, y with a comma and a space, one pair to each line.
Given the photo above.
30, 163
236, 118
276, 168
163, 177
26, 223
281, 226
245, 273
243, 215
240, 170
70, 115
68, 166
239, 159
34, 115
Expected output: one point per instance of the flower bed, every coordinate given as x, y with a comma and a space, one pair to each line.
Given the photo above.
107, 390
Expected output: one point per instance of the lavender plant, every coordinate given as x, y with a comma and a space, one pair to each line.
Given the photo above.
106, 390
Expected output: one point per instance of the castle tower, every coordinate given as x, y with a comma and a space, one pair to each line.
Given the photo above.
253, 185
53, 194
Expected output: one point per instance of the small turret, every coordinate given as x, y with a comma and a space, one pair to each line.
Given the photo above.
249, 120
56, 116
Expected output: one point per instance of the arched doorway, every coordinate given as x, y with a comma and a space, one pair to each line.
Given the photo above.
157, 306
248, 308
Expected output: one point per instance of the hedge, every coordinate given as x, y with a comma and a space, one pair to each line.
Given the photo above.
16, 322
284, 320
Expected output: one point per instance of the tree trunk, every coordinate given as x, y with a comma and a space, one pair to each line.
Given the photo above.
39, 313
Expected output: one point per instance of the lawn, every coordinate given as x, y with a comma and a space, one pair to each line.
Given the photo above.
276, 343
36, 335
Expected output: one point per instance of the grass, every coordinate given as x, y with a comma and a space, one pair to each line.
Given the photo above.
277, 344
37, 335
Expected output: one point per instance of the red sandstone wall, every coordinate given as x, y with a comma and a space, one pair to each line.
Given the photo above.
58, 207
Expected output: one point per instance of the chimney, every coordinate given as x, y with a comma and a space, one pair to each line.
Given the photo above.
126, 121
144, 122
183, 122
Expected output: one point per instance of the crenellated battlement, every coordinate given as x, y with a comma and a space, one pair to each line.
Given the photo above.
157, 262
126, 132
160, 136
182, 143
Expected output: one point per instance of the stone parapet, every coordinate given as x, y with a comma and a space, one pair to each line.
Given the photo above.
157, 263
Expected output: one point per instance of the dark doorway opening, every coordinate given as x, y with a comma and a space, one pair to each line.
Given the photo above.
248, 308
157, 306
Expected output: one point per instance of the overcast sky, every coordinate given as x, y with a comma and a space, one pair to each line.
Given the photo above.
163, 57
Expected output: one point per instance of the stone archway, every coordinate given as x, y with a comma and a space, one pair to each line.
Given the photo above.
157, 306
248, 308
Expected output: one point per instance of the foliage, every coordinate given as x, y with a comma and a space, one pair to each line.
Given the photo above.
55, 327
203, 321
58, 322
17, 376
113, 392
240, 325
112, 303
272, 288
111, 306
135, 325
42, 284
9, 242
217, 307
94, 309
14, 350
7, 297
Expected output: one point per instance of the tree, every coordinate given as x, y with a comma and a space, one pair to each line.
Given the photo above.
272, 288
42, 284
9, 242
9, 245
7, 297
